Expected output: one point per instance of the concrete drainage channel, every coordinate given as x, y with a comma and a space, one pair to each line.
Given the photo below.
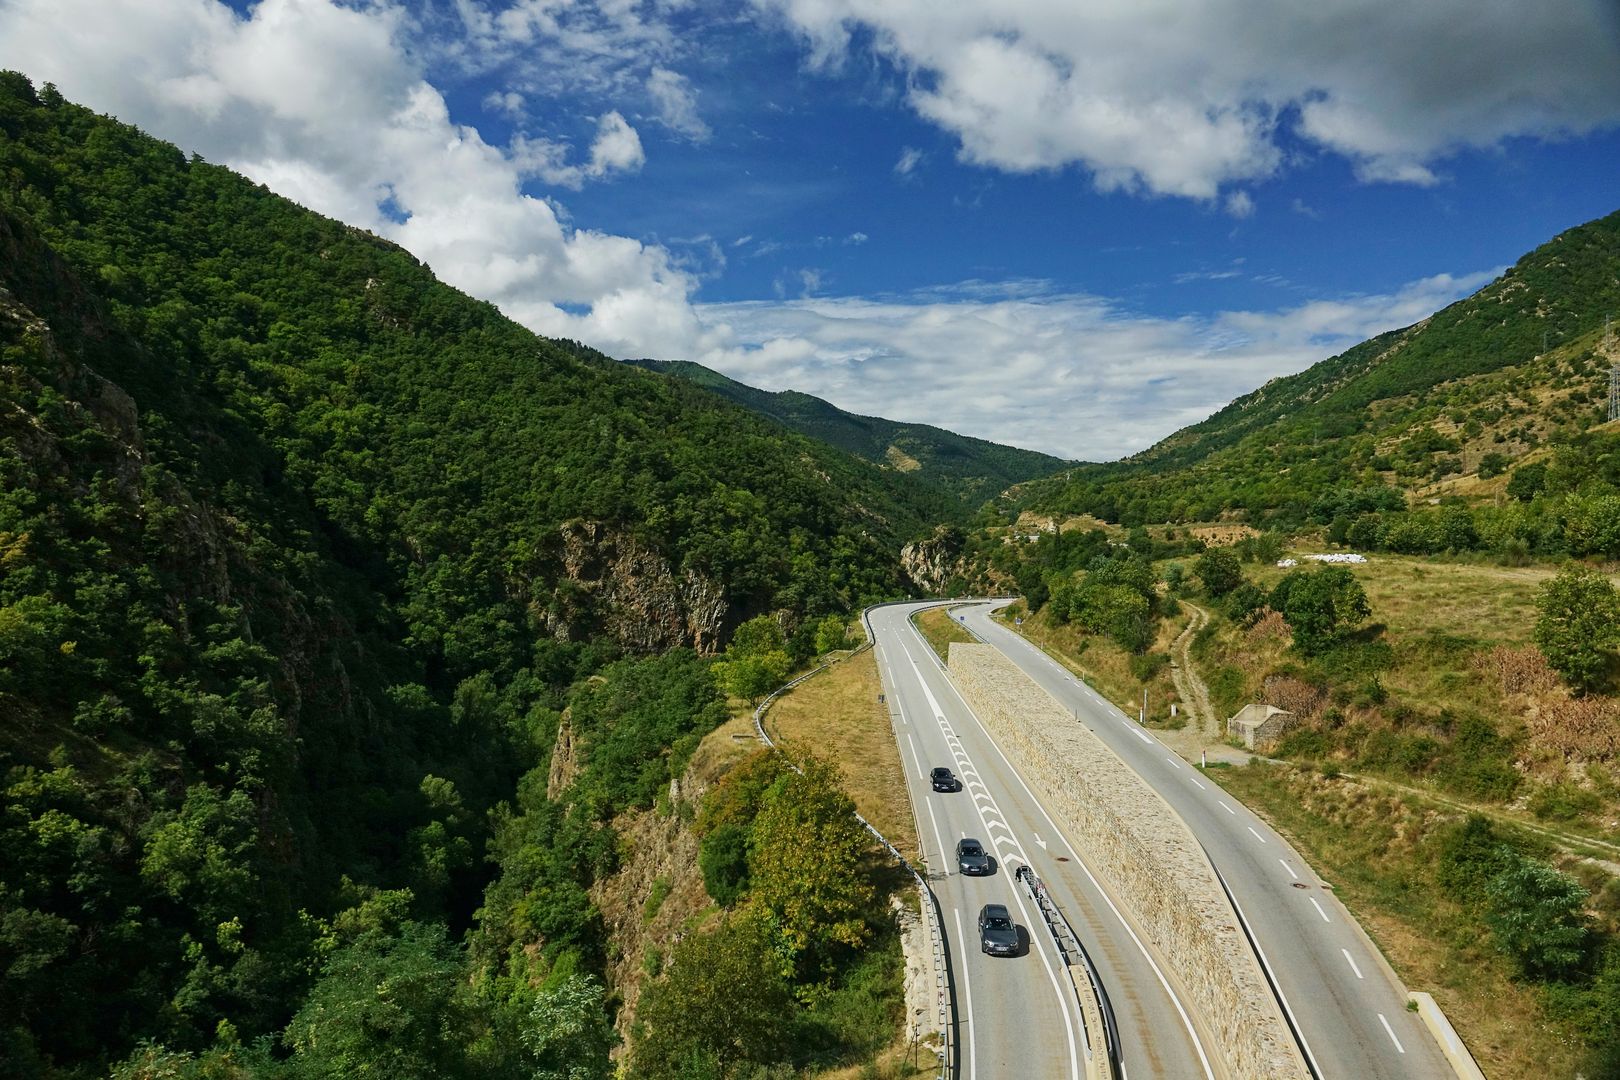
944, 989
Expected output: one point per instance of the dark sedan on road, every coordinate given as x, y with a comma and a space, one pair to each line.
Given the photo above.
998, 934
944, 780
971, 857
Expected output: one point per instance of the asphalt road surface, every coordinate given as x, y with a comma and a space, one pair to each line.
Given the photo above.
1342, 998
1017, 1015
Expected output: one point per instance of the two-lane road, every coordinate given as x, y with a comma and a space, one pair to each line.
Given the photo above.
1343, 1000
1018, 1016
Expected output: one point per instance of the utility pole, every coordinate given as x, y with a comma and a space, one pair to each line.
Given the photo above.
1614, 369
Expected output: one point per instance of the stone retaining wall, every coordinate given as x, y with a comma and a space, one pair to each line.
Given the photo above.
1149, 857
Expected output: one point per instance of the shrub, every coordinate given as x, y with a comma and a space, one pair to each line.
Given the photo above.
1536, 916
1578, 624
723, 858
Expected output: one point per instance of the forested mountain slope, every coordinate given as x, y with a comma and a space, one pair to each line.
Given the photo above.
303, 554
973, 469
1518, 364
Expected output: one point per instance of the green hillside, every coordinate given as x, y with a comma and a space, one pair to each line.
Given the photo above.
973, 469
305, 559
1503, 372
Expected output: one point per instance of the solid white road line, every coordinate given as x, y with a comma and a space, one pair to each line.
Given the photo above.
1319, 910
1256, 835
1391, 1031
967, 994
1288, 868
1352, 963
921, 775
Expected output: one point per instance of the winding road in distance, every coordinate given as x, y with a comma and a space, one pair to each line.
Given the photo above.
1017, 1017
1341, 997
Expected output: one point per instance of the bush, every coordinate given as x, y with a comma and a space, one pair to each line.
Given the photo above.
1219, 570
1146, 665
723, 858
1578, 624
1537, 917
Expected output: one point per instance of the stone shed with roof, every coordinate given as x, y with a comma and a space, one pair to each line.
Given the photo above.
1260, 726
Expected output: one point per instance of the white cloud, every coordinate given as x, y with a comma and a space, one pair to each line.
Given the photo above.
1184, 99
509, 102
676, 103
1240, 204
1069, 374
325, 104
910, 158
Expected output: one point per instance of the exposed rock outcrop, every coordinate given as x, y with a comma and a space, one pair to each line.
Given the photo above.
614, 584
931, 563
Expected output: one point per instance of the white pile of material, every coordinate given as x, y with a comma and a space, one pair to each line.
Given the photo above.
1339, 557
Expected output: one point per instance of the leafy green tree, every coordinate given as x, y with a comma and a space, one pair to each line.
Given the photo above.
1537, 916
722, 1000
804, 856
567, 1033
832, 633
753, 677
1492, 465
1527, 481
386, 1006
1320, 606
1116, 610
1220, 571
723, 858
1578, 625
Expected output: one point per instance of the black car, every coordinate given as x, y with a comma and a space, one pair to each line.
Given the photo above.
944, 780
998, 934
971, 857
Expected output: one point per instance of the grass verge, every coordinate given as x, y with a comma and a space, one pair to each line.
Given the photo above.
1377, 849
837, 716
940, 628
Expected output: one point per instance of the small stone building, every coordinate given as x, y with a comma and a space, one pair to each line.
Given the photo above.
1260, 725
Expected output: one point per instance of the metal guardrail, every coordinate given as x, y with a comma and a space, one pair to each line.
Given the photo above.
1074, 954
945, 998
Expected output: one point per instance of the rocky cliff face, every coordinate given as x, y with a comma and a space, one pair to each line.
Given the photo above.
614, 584
931, 563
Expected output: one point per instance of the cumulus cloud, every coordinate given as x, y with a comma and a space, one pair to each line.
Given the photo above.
325, 104
1184, 99
676, 104
1050, 371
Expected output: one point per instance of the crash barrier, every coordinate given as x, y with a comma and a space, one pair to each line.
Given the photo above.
1096, 1012
944, 998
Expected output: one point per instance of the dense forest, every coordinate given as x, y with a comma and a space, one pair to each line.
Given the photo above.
305, 561
974, 469
1471, 390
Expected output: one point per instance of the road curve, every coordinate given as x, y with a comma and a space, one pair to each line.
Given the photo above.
1018, 1016
1342, 998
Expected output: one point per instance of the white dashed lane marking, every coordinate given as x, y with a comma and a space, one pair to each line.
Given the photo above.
1352, 964
1319, 910
1228, 809
1391, 1031
1256, 835
1288, 868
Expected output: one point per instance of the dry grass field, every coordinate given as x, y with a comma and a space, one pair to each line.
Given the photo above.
837, 716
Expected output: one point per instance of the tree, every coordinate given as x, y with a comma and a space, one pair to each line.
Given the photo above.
722, 1001
723, 858
832, 633
567, 1033
1320, 606
1537, 917
385, 1006
1527, 481
1578, 625
1492, 464
1219, 570
804, 861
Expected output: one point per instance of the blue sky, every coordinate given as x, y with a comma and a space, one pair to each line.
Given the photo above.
1074, 227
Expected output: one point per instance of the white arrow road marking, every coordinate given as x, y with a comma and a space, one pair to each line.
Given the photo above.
1039, 841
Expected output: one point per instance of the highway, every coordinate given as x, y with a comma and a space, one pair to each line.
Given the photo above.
1341, 997
1017, 1015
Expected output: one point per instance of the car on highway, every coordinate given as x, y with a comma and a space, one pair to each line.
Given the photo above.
998, 934
944, 780
971, 857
